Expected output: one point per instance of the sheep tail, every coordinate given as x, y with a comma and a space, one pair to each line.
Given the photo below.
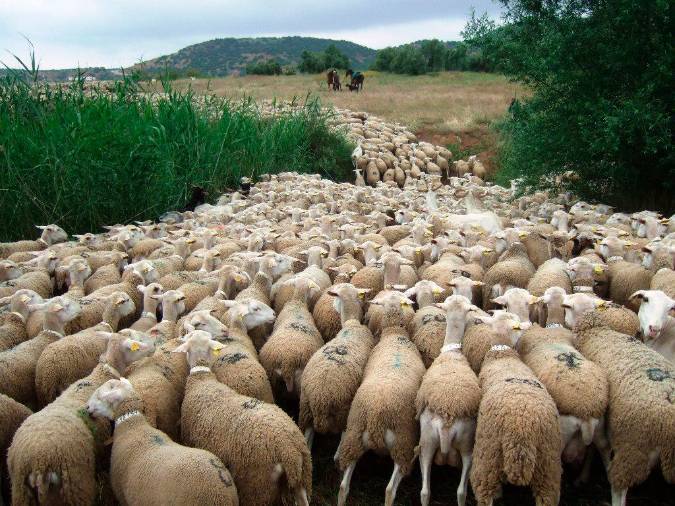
520, 458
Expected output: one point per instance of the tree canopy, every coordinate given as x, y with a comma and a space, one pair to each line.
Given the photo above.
602, 101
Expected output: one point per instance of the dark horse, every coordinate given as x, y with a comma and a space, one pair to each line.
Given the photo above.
356, 80
333, 80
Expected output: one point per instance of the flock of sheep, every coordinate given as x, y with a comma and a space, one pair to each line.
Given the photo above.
441, 323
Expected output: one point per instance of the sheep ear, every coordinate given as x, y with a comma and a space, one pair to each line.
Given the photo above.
410, 292
500, 300
640, 294
141, 288
55, 308
104, 335
477, 283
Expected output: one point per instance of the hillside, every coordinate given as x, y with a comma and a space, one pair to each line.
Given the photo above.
221, 57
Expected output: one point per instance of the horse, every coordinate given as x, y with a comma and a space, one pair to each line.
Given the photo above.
333, 80
356, 80
336, 82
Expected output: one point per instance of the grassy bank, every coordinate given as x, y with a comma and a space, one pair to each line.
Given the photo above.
452, 109
83, 159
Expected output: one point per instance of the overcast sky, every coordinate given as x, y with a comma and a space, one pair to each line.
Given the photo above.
114, 33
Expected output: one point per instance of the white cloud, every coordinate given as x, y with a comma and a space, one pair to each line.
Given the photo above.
113, 33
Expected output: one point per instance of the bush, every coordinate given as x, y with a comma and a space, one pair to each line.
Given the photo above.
264, 68
84, 159
431, 56
602, 103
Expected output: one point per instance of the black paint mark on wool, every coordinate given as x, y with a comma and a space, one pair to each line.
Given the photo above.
82, 384
335, 353
656, 374
571, 359
232, 358
305, 329
157, 439
223, 474
252, 403
524, 381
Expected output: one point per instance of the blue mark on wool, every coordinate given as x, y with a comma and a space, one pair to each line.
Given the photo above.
397, 361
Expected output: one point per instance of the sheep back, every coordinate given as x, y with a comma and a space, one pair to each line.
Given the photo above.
518, 432
449, 388
641, 415
386, 401
331, 378
249, 436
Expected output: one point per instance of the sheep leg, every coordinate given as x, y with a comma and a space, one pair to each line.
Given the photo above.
336, 457
344, 486
309, 437
619, 496
392, 487
429, 441
301, 497
463, 482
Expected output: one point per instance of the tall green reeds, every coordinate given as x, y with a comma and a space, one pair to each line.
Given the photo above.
85, 157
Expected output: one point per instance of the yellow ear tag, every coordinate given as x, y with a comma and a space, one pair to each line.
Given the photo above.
215, 351
437, 291
598, 270
134, 346
362, 295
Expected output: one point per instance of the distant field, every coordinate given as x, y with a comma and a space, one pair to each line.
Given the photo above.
448, 108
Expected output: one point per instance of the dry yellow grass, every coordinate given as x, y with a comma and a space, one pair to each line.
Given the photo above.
448, 108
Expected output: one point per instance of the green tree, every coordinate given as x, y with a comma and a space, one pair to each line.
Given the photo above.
264, 67
409, 60
434, 52
310, 62
602, 100
384, 59
334, 58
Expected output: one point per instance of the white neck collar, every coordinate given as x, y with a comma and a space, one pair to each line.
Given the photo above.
451, 347
148, 314
553, 325
583, 288
499, 347
615, 258
200, 368
126, 416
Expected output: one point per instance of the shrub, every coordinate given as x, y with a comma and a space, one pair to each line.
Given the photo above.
602, 102
85, 158
265, 68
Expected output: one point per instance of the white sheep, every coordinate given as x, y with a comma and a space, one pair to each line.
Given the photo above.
656, 324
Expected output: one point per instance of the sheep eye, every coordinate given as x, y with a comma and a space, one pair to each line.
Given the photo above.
645, 299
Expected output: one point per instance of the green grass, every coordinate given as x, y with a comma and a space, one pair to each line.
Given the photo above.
86, 158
